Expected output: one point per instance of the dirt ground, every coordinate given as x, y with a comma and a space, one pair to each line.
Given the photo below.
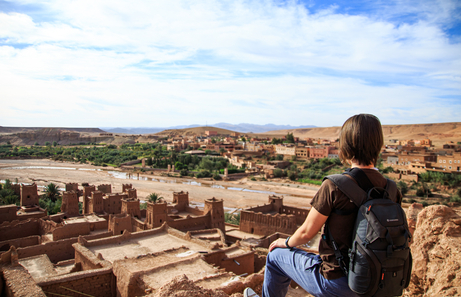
236, 194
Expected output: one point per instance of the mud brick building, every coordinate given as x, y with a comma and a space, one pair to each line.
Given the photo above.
271, 218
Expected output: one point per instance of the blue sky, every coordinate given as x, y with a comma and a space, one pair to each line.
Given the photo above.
165, 63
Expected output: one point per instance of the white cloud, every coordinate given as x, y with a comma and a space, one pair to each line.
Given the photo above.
173, 62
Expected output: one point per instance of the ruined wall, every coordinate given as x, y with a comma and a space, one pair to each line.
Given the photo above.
266, 224
18, 282
188, 224
8, 213
18, 229
20, 242
194, 210
119, 223
87, 259
55, 250
138, 225
245, 261
71, 230
97, 283
263, 208
299, 213
132, 193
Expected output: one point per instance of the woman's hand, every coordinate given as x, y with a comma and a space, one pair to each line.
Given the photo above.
279, 243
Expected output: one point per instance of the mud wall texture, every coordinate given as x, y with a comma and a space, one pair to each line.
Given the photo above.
189, 224
71, 230
263, 208
19, 229
8, 213
266, 224
20, 242
97, 283
55, 250
18, 282
299, 213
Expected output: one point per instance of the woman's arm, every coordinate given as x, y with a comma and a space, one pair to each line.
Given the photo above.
306, 232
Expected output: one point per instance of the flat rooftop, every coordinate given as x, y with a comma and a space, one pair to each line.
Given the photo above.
147, 245
86, 219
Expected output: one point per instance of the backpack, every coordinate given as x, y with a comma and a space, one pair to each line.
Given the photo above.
380, 260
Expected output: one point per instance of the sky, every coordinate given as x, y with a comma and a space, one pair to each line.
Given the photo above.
67, 63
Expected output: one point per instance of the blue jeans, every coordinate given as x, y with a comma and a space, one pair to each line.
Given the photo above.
284, 265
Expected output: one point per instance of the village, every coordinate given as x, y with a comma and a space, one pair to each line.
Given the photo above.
105, 240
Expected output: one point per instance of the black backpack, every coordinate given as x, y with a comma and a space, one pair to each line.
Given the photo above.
380, 260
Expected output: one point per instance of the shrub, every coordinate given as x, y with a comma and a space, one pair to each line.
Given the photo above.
216, 176
278, 172
424, 203
183, 172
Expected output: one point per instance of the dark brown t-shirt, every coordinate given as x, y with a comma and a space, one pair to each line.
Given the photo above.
329, 197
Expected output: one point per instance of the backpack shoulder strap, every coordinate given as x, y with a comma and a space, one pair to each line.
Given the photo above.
391, 188
352, 190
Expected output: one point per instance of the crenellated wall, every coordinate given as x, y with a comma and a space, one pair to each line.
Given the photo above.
266, 224
299, 213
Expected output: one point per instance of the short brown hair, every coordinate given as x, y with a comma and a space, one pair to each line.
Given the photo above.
361, 139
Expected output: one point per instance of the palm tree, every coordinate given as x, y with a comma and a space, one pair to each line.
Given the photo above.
52, 192
154, 197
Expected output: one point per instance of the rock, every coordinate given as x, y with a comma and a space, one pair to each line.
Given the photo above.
181, 286
436, 251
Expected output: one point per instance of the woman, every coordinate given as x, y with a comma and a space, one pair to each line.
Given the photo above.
360, 142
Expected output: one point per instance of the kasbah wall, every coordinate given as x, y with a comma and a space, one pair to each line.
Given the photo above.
271, 218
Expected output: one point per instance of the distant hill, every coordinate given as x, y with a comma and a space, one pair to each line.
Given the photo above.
439, 133
27, 129
194, 131
242, 127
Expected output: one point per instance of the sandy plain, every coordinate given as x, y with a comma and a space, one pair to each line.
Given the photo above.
236, 194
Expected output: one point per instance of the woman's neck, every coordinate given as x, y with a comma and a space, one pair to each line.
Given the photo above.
357, 165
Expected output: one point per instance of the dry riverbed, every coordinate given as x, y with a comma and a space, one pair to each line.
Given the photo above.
236, 194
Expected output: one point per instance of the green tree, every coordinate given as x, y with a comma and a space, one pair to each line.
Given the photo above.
154, 197
290, 138
47, 143
55, 143
402, 186
52, 192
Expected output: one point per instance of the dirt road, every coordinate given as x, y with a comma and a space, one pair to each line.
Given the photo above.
238, 194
